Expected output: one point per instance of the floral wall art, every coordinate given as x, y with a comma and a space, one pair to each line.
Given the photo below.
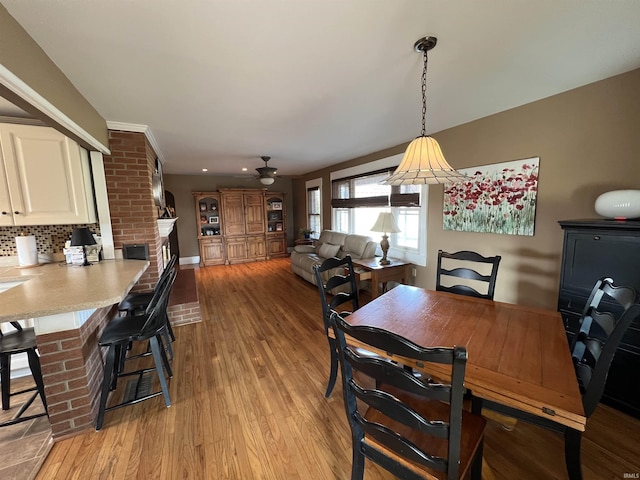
498, 198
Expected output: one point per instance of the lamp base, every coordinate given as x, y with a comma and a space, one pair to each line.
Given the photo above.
86, 261
384, 245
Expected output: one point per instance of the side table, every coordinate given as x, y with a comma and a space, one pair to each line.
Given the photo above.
369, 269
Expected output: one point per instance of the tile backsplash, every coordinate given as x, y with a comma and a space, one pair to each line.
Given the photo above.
50, 239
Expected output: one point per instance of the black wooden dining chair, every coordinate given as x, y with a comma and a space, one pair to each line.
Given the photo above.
468, 273
411, 427
21, 340
341, 278
121, 331
607, 315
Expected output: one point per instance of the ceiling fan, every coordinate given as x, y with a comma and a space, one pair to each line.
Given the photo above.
266, 173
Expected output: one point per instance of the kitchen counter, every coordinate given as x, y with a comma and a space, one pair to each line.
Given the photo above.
56, 288
70, 306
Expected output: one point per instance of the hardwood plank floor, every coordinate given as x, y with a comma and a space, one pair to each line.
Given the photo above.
248, 403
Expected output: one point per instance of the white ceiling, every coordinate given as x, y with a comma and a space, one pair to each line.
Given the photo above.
316, 82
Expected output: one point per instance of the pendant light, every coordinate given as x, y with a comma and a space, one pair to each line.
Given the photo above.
423, 162
266, 173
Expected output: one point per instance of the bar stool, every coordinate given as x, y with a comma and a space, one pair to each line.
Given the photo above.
137, 303
22, 340
120, 332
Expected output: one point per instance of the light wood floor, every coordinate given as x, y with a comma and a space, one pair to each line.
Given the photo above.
248, 403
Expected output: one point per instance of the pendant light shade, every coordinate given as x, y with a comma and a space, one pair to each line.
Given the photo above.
423, 162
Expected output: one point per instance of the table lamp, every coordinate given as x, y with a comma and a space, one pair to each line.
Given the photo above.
80, 237
386, 223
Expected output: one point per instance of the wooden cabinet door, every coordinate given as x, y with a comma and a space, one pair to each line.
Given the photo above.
276, 246
48, 180
236, 249
254, 213
211, 251
6, 211
233, 214
256, 248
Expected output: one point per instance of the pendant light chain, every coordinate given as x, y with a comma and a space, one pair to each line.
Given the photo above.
424, 95
423, 162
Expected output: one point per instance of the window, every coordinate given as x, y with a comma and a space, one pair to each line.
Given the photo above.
314, 206
358, 196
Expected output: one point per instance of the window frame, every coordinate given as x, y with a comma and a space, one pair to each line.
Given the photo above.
417, 256
314, 184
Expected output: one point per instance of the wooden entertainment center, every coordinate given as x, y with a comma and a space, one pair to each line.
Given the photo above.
240, 225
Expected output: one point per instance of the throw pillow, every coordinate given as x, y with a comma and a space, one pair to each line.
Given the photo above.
326, 250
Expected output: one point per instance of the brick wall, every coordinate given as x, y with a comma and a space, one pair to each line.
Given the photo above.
72, 367
128, 172
184, 313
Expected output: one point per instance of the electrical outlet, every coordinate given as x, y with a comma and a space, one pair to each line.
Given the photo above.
414, 272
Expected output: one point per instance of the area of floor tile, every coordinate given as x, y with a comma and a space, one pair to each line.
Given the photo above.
24, 445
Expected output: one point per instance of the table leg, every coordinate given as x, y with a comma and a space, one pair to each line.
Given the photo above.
375, 292
572, 441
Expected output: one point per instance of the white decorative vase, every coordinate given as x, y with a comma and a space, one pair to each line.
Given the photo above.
620, 204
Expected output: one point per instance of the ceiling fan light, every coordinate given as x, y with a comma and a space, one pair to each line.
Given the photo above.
266, 173
267, 180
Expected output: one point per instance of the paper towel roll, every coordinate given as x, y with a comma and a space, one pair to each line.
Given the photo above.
27, 250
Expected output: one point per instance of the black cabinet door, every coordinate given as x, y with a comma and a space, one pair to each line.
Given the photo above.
595, 249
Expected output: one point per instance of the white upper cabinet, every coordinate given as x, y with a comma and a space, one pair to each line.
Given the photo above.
45, 178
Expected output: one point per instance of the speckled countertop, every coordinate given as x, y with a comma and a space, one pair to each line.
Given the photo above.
58, 288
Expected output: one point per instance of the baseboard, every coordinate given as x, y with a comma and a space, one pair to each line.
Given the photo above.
189, 260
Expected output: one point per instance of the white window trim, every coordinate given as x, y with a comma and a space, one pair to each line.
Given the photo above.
316, 182
418, 258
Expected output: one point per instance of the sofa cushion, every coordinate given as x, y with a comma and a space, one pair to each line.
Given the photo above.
359, 246
332, 237
328, 250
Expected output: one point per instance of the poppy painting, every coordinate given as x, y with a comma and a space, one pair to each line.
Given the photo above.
498, 198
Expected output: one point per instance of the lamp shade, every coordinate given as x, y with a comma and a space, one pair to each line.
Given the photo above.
82, 236
424, 163
386, 223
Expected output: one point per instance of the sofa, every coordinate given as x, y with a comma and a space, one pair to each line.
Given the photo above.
330, 244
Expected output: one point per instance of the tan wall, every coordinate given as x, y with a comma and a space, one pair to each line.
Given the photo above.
20, 54
181, 187
588, 143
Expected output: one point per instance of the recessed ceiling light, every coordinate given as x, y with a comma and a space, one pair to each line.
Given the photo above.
244, 169
205, 169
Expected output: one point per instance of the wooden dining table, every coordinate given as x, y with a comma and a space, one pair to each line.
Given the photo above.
518, 356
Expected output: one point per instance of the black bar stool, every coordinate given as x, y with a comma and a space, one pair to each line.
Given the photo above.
22, 340
120, 332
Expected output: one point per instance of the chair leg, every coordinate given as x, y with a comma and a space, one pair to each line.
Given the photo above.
158, 352
167, 338
357, 463
36, 371
118, 365
106, 384
170, 328
572, 442
476, 466
163, 354
334, 367
5, 380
